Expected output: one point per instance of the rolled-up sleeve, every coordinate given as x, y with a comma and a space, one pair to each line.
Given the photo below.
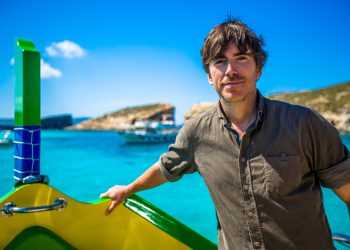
179, 158
336, 175
329, 156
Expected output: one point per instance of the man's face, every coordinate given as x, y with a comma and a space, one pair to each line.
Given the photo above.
234, 75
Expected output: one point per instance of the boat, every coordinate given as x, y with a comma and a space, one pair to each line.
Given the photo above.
151, 132
5, 138
35, 215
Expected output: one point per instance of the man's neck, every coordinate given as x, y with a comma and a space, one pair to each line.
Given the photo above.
241, 114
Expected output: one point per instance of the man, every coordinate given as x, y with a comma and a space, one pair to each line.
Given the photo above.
262, 160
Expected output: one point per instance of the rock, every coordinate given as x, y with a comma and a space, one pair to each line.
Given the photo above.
56, 121
198, 109
123, 119
340, 121
49, 122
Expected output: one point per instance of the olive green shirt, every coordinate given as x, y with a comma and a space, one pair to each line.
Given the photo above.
266, 188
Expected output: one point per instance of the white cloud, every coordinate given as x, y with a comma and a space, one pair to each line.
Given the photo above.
47, 71
66, 49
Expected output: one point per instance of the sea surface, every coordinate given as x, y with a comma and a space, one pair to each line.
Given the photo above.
84, 164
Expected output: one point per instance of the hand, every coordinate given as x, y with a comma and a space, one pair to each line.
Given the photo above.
117, 194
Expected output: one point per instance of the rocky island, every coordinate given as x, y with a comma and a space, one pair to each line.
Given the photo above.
59, 121
123, 119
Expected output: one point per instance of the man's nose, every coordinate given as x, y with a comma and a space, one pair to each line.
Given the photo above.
231, 69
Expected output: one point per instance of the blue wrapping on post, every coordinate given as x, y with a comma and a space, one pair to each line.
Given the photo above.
27, 152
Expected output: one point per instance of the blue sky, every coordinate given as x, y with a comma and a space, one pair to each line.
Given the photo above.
100, 56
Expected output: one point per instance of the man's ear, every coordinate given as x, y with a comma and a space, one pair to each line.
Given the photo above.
210, 80
258, 74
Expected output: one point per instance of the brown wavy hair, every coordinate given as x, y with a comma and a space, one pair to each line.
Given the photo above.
232, 30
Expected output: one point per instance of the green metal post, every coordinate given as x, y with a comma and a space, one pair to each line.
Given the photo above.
27, 114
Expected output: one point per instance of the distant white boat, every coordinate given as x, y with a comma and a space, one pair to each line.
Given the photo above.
151, 132
5, 138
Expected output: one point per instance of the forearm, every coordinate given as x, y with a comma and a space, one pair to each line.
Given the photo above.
343, 193
152, 177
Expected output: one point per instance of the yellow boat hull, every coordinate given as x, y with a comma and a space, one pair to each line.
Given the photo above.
136, 224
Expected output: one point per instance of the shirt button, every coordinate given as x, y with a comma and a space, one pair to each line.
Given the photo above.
256, 244
250, 214
246, 187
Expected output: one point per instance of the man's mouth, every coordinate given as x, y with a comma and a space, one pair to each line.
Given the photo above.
233, 83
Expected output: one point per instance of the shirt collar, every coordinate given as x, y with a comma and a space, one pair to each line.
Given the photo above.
260, 110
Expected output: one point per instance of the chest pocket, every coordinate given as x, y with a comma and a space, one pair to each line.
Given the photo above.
282, 174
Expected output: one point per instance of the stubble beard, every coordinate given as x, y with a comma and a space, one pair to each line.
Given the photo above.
236, 99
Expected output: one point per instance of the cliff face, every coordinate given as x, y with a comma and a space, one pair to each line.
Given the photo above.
197, 109
124, 118
333, 103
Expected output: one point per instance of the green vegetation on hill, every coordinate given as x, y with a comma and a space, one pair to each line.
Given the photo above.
335, 98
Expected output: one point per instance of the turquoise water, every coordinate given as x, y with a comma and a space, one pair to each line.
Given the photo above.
84, 164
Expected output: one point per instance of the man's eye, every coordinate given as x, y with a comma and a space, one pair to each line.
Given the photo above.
242, 58
219, 61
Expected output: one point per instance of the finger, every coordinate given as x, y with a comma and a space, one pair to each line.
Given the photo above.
111, 207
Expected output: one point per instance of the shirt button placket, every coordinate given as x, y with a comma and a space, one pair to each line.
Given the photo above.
244, 179
251, 209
